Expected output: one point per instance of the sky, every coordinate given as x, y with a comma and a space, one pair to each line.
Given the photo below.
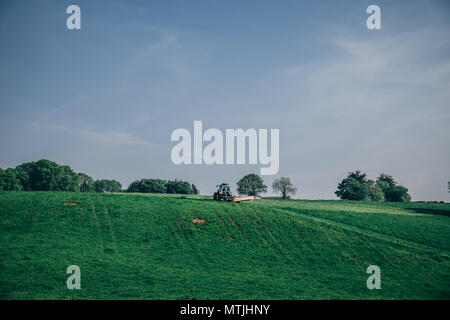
105, 99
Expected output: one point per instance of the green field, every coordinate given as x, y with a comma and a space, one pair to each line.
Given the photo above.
132, 246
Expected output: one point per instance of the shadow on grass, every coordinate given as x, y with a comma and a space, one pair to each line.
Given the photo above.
415, 210
430, 211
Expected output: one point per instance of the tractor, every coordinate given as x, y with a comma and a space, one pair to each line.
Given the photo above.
223, 193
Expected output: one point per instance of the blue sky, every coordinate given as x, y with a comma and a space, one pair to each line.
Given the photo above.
105, 99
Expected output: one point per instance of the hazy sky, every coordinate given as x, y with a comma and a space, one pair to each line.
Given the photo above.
105, 99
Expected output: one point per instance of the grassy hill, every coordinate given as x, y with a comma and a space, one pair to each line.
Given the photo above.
147, 247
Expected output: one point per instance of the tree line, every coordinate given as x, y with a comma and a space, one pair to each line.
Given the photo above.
46, 175
356, 186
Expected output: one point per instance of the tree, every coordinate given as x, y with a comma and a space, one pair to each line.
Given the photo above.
46, 175
397, 194
179, 187
383, 185
392, 191
67, 179
10, 181
148, 186
26, 171
2, 177
162, 186
114, 186
86, 183
448, 184
251, 185
284, 186
386, 178
106, 185
23, 178
352, 189
358, 176
356, 186
375, 191
42, 174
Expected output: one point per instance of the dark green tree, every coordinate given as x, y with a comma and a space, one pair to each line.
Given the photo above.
352, 189
375, 191
46, 175
179, 187
358, 176
194, 189
25, 172
23, 178
107, 185
86, 183
10, 181
251, 185
284, 186
386, 178
383, 185
2, 175
397, 194
148, 186
67, 180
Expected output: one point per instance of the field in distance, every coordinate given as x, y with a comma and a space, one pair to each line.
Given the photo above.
136, 246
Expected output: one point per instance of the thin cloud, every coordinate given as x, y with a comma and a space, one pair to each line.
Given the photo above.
377, 105
109, 138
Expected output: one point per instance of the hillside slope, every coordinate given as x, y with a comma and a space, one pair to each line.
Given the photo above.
148, 247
